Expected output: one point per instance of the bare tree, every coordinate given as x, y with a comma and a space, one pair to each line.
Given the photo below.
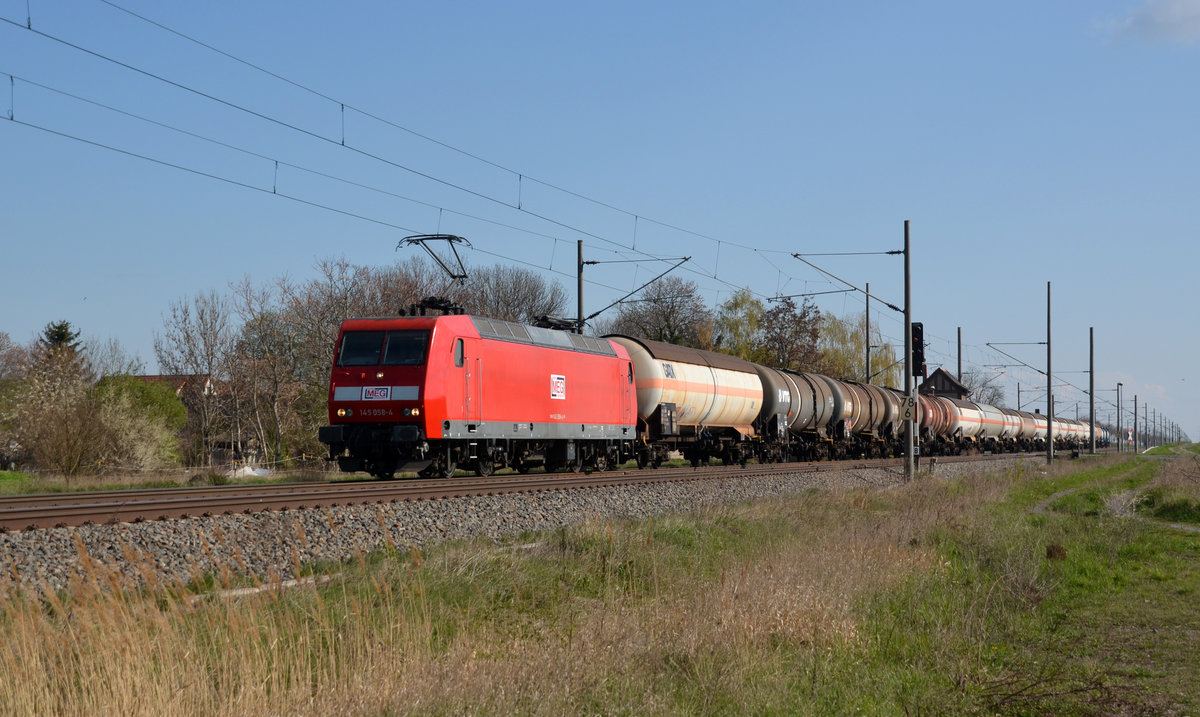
789, 336
983, 387
197, 342
265, 370
396, 288
109, 358
669, 310
14, 358
512, 294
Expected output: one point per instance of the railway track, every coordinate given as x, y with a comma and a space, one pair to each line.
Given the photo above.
32, 512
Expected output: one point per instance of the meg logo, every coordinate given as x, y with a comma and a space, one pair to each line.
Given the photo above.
558, 387
376, 393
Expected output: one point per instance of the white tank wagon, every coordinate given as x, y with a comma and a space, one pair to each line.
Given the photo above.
701, 403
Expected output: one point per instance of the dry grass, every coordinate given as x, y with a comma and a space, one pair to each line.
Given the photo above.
764, 607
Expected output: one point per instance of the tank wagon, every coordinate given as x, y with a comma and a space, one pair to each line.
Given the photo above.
441, 393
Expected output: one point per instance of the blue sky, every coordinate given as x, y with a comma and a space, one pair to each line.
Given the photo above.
1027, 142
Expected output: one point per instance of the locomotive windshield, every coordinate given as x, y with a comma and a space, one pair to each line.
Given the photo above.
396, 348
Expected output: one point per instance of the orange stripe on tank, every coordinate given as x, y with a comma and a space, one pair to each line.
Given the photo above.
668, 384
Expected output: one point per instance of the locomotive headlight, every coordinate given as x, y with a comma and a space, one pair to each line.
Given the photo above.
345, 413
412, 412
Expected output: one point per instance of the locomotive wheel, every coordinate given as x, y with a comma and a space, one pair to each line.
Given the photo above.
484, 467
446, 470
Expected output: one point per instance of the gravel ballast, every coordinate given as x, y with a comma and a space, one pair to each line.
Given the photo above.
273, 545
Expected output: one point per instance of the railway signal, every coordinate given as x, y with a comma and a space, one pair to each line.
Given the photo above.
918, 349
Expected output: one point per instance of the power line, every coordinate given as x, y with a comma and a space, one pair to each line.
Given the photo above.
521, 176
320, 137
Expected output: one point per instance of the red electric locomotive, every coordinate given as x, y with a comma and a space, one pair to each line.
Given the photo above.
438, 393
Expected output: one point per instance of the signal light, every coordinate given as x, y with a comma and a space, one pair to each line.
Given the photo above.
918, 349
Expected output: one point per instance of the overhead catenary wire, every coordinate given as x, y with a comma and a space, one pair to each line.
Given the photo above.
521, 176
341, 142
336, 142
342, 106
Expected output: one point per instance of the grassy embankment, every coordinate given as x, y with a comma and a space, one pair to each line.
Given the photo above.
1021, 593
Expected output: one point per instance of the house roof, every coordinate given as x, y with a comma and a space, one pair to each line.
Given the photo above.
942, 377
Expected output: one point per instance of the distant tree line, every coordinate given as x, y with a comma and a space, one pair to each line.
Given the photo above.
245, 372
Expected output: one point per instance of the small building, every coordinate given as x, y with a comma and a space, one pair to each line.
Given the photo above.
941, 383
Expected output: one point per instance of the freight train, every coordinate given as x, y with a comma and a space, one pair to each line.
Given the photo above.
436, 394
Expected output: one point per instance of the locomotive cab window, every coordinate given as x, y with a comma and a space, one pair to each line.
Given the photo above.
406, 348
458, 353
360, 348
391, 348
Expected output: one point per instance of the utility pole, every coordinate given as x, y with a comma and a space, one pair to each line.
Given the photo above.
960, 356
1120, 436
867, 342
1135, 425
910, 423
1092, 387
579, 314
1049, 387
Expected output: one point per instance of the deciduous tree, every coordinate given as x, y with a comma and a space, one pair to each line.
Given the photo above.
983, 387
737, 326
512, 294
789, 336
197, 341
843, 348
669, 310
